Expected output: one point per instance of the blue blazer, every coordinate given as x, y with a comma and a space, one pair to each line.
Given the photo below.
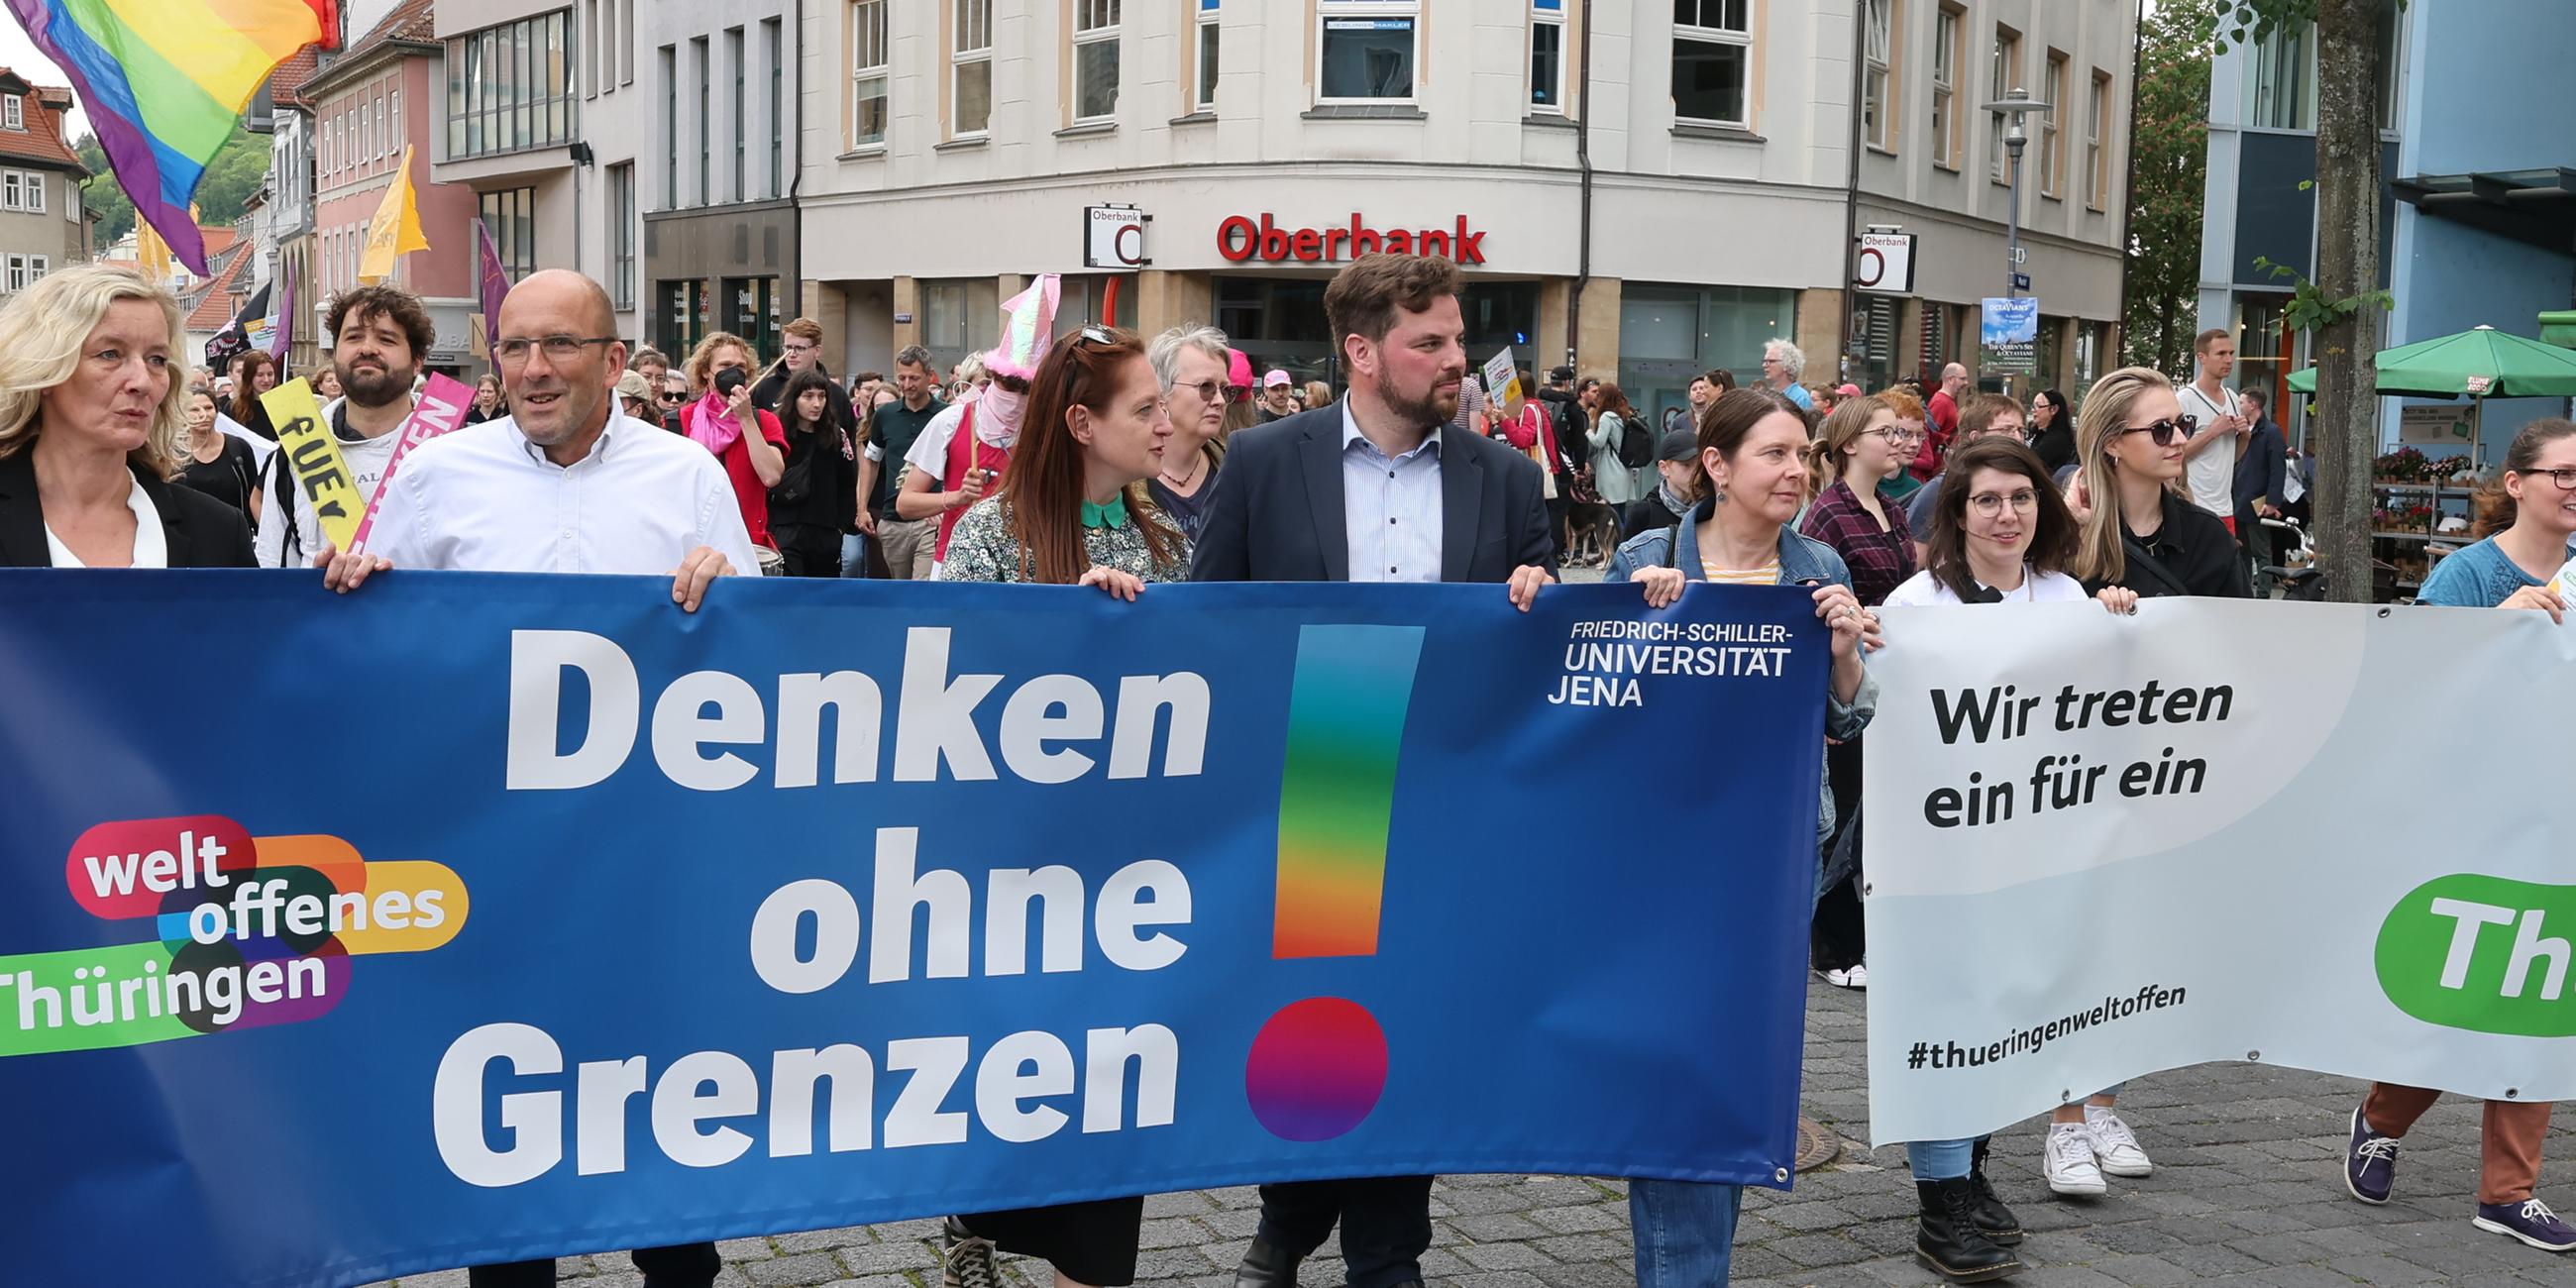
1277, 514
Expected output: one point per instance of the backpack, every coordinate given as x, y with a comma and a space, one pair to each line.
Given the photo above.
1636, 447
1570, 429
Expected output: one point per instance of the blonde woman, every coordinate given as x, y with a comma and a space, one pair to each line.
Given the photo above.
2137, 531
92, 373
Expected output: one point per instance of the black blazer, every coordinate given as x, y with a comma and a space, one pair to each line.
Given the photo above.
202, 531
1276, 514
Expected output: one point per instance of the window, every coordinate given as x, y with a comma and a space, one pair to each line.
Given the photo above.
698, 56
670, 128
2285, 81
1095, 59
511, 214
2052, 140
23, 270
1368, 51
34, 182
1712, 61
22, 190
2006, 75
9, 191
773, 50
733, 60
1206, 99
868, 70
599, 45
1878, 123
1547, 56
393, 131
626, 42
72, 200
970, 69
508, 88
2097, 173
959, 317
1946, 28
621, 235
13, 114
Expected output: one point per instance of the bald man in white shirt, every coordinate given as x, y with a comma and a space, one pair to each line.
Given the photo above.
566, 482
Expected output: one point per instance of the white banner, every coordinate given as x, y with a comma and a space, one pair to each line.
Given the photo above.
2316, 835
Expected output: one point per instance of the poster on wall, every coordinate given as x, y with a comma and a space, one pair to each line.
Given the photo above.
2008, 334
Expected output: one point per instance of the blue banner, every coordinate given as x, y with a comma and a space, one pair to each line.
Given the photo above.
473, 917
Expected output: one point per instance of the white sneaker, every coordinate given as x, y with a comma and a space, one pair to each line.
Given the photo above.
2114, 1145
2070, 1164
1856, 977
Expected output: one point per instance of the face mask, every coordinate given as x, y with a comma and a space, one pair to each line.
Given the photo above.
997, 416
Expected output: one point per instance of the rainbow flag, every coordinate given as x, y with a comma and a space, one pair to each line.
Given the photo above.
165, 81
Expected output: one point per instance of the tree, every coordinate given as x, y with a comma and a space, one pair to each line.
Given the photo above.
2340, 308
230, 178
2169, 164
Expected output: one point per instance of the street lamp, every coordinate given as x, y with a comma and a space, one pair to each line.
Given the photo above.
2014, 105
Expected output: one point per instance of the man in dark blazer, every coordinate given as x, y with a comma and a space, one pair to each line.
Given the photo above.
1377, 487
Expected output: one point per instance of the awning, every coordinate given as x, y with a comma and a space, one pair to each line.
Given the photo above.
2535, 207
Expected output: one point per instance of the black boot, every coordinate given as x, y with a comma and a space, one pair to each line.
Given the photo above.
1949, 1243
1994, 1220
1265, 1266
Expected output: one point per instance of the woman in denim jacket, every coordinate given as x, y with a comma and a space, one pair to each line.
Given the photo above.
1751, 452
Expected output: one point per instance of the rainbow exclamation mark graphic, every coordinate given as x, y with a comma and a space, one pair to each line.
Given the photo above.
1318, 1066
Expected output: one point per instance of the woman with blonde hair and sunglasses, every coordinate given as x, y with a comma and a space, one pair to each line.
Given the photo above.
2134, 529
92, 404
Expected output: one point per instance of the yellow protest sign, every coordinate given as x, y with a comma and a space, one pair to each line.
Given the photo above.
319, 468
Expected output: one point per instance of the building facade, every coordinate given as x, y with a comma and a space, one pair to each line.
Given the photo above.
290, 208
720, 244
42, 226
369, 105
1690, 196
2478, 215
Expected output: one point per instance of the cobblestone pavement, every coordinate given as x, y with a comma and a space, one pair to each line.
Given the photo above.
2247, 1191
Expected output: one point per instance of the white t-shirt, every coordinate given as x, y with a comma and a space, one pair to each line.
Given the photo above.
367, 458
929, 452
151, 544
2036, 588
2213, 472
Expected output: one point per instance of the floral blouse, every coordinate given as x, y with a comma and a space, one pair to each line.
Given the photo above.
982, 549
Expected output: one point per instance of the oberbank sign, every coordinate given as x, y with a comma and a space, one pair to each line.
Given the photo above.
1245, 238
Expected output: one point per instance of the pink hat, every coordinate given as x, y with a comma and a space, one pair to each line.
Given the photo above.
1238, 369
1276, 377
1847, 391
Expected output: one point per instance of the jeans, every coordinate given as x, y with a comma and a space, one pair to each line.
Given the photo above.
854, 555
1940, 1160
1685, 1231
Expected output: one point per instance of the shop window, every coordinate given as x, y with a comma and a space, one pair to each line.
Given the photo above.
1547, 56
1712, 62
1367, 51
959, 317
970, 69
1877, 114
869, 73
1668, 334
1095, 60
751, 311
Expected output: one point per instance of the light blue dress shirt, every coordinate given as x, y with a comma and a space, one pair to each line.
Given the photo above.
1391, 506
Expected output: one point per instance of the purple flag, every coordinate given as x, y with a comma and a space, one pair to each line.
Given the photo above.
285, 316
493, 279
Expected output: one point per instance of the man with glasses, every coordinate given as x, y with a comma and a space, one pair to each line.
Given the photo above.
1984, 415
892, 431
564, 483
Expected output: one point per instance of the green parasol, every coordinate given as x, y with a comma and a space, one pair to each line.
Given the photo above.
2481, 362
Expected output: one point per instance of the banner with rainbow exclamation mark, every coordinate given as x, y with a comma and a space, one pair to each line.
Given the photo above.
836, 903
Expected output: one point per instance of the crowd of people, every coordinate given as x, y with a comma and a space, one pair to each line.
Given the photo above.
1120, 462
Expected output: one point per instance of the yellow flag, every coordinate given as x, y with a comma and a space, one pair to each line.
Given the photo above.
319, 467
395, 228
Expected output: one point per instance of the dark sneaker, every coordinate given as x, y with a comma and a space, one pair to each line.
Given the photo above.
2369, 1162
966, 1261
2530, 1221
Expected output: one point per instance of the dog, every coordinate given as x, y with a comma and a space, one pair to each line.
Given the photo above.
1593, 532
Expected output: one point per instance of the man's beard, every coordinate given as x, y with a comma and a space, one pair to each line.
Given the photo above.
376, 390
1432, 407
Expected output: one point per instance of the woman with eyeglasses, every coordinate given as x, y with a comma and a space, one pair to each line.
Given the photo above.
1861, 445
1999, 534
1190, 364
2136, 531
2052, 431
1750, 475
2525, 519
